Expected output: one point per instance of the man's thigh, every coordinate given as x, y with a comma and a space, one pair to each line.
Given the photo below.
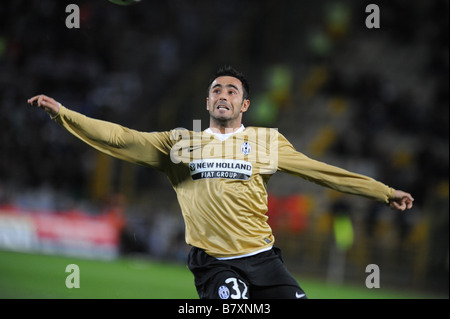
278, 292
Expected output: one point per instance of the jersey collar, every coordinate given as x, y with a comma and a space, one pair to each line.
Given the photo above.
223, 137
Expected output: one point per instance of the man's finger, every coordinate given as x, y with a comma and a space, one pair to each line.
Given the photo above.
409, 203
398, 206
34, 101
41, 100
34, 98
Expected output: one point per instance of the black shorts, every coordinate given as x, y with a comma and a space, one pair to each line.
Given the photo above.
261, 276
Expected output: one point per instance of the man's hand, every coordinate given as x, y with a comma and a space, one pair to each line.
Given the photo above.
46, 103
401, 201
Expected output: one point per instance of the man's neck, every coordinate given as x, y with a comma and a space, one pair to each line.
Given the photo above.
223, 129
227, 133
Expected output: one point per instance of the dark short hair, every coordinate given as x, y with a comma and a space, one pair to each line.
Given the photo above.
228, 70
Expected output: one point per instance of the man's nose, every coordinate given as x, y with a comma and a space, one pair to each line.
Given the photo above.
223, 97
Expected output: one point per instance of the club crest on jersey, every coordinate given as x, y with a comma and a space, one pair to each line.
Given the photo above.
246, 148
224, 292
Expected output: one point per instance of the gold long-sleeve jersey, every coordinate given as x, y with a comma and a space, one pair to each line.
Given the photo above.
221, 185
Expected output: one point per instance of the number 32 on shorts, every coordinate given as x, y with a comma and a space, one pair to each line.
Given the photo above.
238, 287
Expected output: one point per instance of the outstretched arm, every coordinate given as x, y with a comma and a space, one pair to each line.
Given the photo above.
298, 164
127, 144
401, 201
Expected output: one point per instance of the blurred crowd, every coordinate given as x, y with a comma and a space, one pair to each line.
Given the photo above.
373, 99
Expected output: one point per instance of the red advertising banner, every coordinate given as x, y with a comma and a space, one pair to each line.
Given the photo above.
68, 233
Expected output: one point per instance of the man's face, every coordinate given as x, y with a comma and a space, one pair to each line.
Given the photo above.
225, 101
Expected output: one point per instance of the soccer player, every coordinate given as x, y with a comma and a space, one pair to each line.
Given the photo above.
220, 177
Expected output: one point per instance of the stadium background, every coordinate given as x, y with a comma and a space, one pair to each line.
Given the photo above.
374, 101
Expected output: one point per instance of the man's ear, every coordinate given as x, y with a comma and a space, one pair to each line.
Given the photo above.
245, 105
207, 103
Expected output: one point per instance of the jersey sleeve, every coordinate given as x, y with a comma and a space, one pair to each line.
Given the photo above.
148, 149
293, 162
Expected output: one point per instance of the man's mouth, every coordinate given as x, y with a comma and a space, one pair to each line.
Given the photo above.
223, 107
